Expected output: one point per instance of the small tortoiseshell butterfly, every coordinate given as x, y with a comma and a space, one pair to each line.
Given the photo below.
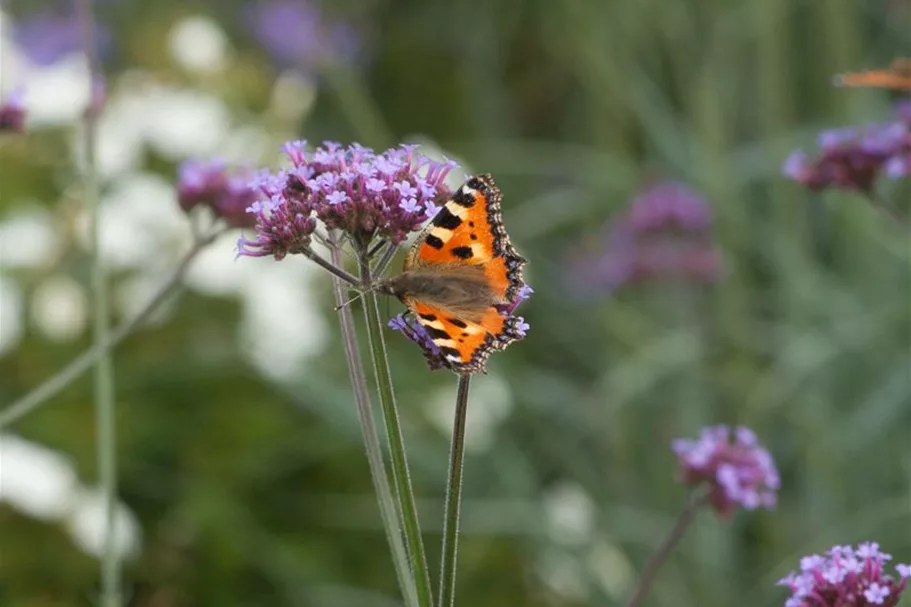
897, 76
457, 273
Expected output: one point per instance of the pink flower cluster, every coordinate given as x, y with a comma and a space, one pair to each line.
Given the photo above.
665, 235
353, 189
853, 158
846, 577
210, 184
739, 472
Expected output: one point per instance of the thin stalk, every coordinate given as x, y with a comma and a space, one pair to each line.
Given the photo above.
384, 261
400, 474
51, 387
454, 497
381, 482
887, 209
696, 501
104, 370
333, 269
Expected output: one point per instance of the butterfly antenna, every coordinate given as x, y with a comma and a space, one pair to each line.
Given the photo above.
356, 297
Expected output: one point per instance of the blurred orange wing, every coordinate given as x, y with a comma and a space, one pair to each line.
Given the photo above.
897, 76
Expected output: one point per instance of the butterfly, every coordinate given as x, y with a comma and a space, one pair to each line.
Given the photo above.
459, 274
896, 76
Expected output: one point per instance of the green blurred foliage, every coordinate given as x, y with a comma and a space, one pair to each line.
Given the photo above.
254, 493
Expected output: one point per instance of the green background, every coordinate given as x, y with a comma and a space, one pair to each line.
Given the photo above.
255, 492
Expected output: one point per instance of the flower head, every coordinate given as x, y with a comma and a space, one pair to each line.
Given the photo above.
739, 472
665, 234
296, 34
12, 112
846, 577
352, 189
210, 184
853, 158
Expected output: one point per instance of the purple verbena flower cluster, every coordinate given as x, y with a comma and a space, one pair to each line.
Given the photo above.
352, 189
210, 184
12, 112
410, 328
48, 36
846, 577
739, 472
665, 234
852, 158
297, 34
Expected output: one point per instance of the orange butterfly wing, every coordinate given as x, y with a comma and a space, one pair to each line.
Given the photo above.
898, 77
469, 230
465, 344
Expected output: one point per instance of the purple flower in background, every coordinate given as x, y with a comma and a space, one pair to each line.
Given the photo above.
210, 184
665, 234
12, 112
352, 189
739, 472
297, 34
51, 35
853, 158
846, 577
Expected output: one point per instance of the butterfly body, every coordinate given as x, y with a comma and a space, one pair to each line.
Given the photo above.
457, 273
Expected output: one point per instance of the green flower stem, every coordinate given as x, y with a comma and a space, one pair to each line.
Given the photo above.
887, 209
696, 501
400, 473
51, 387
333, 269
106, 439
380, 267
454, 497
383, 488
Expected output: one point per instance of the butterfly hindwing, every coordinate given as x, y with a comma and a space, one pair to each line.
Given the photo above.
469, 230
465, 344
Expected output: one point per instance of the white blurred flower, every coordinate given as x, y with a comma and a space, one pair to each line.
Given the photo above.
198, 44
185, 123
562, 572
216, 269
37, 481
141, 219
293, 95
611, 569
569, 513
282, 326
27, 240
490, 403
11, 324
134, 293
59, 308
245, 144
56, 94
87, 525
121, 133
